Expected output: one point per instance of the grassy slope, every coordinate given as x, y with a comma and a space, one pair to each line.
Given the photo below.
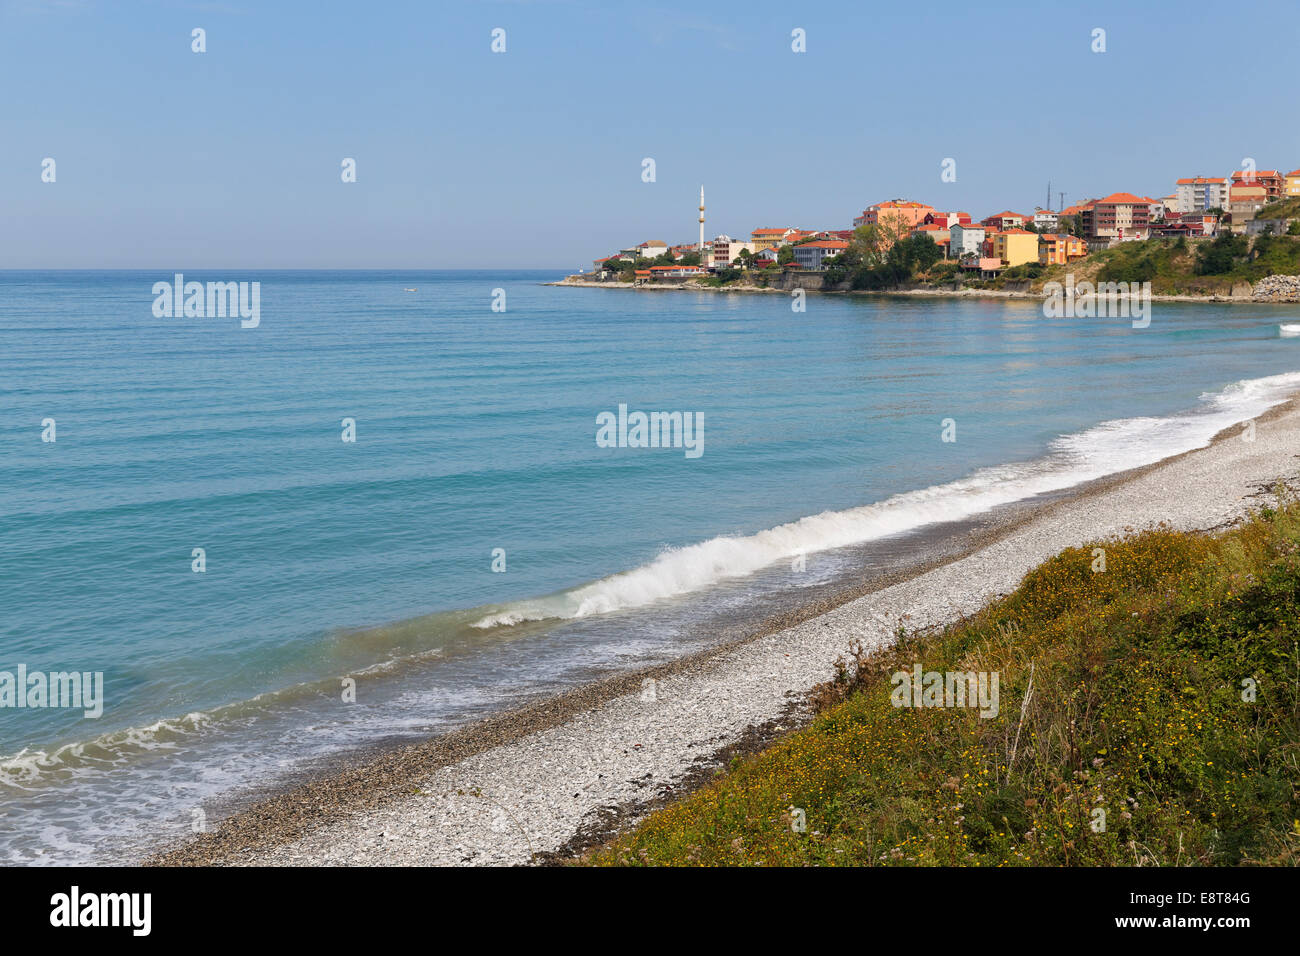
1168, 265
1137, 709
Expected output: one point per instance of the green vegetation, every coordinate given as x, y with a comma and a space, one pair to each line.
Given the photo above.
1176, 266
883, 256
1282, 209
1160, 688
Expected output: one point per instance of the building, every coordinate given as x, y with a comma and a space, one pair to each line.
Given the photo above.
936, 232
701, 221
1015, 247
1274, 183
946, 219
1276, 227
676, 271
967, 239
988, 266
1244, 200
1190, 225
725, 250
1005, 220
813, 255
1156, 209
1172, 205
1059, 249
1045, 220
1291, 183
909, 213
653, 249
769, 238
1119, 217
1198, 194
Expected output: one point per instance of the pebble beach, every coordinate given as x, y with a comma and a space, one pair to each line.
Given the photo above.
541, 783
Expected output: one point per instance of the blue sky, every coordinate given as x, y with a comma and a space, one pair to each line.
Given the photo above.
532, 158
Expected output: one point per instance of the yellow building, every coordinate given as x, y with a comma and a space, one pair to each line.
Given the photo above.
767, 238
1015, 247
1291, 183
1060, 249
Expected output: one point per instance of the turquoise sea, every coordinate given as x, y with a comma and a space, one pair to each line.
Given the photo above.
370, 563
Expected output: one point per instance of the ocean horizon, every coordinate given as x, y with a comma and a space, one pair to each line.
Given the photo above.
386, 508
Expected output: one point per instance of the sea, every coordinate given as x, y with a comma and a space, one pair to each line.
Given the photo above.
386, 509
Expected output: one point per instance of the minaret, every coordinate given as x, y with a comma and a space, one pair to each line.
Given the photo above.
701, 219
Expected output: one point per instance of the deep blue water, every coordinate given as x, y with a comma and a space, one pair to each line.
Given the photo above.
475, 430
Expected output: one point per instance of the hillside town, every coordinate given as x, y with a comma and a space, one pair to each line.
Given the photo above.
1248, 202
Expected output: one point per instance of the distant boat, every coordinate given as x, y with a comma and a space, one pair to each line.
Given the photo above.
410, 290
1291, 328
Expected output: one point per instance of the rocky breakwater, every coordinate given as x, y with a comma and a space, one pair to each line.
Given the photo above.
1277, 288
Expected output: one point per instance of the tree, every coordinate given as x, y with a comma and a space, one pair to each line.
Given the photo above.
689, 259
786, 253
1220, 255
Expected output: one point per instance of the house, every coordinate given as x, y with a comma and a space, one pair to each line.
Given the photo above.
946, 219
936, 232
1197, 194
1059, 249
967, 239
653, 249
906, 212
676, 271
725, 250
1119, 217
1272, 181
1291, 183
1244, 200
1045, 220
812, 255
1155, 208
1005, 220
1191, 225
988, 266
1015, 247
768, 238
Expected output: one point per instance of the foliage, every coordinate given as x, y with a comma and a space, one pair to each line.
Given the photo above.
1162, 728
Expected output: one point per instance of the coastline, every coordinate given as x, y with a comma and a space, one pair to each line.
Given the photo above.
563, 773
687, 286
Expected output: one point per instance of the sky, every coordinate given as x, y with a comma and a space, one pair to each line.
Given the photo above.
533, 157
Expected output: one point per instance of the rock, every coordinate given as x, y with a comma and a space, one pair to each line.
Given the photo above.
1276, 288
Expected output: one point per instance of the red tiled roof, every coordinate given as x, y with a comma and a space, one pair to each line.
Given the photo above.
1121, 199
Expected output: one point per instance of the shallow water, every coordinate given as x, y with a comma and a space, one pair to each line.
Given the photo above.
373, 560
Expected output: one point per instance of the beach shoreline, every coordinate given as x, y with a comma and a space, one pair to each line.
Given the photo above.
540, 782
689, 286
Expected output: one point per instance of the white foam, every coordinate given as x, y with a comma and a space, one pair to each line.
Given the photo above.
1102, 450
